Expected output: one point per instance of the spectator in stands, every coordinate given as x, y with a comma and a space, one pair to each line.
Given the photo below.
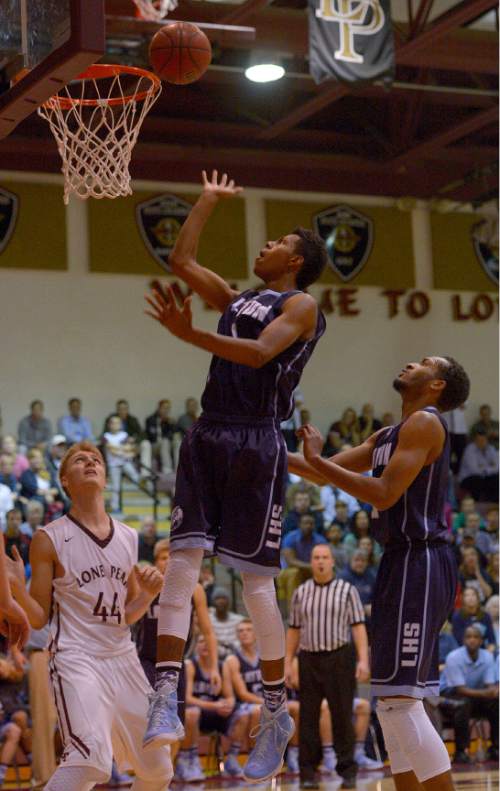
368, 423
19, 461
487, 425
53, 459
189, 417
481, 539
468, 541
15, 534
15, 733
219, 711
469, 677
342, 519
372, 551
388, 419
491, 526
34, 430
360, 527
129, 423
479, 469
492, 572
119, 450
34, 518
472, 612
296, 550
147, 539
362, 578
301, 506
345, 430
330, 496
470, 574
492, 609
162, 439
6, 504
301, 485
37, 483
457, 428
447, 643
334, 537
74, 426
224, 622
467, 506
7, 477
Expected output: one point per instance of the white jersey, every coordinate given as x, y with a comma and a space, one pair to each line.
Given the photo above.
88, 606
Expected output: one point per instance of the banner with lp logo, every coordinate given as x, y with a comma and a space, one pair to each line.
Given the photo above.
348, 236
350, 40
159, 221
9, 205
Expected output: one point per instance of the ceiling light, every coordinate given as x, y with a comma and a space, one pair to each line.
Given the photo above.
264, 72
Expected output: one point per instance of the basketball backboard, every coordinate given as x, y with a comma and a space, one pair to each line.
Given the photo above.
44, 44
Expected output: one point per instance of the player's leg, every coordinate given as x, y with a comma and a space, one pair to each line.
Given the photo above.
292, 753
418, 756
10, 739
195, 517
130, 690
76, 778
276, 725
187, 766
362, 713
237, 731
325, 733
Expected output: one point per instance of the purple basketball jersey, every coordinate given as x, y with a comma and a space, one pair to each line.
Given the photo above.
238, 390
419, 514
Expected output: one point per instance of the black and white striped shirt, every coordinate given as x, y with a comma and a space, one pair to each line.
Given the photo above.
324, 613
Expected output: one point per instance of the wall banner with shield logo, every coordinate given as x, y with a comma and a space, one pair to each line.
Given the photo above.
348, 235
350, 40
159, 221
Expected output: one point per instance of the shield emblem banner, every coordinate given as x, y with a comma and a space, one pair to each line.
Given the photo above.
159, 221
348, 236
9, 206
485, 243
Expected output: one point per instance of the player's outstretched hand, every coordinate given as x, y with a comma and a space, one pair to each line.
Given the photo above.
15, 570
223, 188
14, 624
178, 321
313, 441
149, 579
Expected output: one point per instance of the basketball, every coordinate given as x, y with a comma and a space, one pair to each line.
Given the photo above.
180, 53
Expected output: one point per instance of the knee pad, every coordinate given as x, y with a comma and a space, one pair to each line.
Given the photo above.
260, 600
415, 742
175, 598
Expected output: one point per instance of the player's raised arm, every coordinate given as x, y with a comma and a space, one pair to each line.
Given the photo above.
212, 288
420, 442
296, 322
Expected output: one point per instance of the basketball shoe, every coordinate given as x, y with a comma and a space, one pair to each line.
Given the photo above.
274, 732
164, 725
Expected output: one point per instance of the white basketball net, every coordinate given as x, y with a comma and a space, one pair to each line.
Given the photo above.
95, 140
155, 10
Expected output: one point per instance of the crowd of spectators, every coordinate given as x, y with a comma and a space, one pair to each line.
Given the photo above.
31, 494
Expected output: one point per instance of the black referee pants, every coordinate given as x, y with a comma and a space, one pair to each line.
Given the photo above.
330, 675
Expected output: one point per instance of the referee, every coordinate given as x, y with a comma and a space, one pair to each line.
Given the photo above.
324, 613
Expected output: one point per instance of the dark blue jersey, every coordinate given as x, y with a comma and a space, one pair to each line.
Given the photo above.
237, 390
418, 515
250, 673
202, 688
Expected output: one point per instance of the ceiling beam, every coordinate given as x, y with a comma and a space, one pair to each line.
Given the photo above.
464, 12
284, 31
442, 139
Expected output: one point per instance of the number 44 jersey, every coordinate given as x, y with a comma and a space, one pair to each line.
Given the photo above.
88, 604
